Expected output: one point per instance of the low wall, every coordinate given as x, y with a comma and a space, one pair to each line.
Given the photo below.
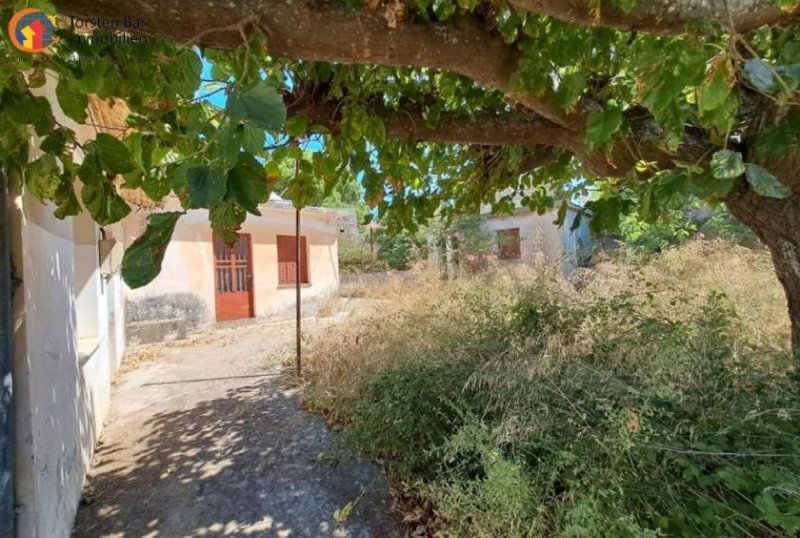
161, 330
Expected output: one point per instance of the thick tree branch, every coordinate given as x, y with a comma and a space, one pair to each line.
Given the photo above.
663, 16
486, 129
491, 129
317, 31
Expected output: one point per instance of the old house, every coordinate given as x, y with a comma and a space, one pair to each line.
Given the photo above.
255, 277
68, 317
528, 237
68, 339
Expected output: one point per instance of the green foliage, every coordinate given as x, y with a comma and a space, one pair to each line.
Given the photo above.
355, 255
471, 242
209, 157
727, 164
610, 416
142, 261
765, 183
601, 126
247, 184
672, 228
206, 185
259, 106
412, 409
723, 225
177, 141
400, 250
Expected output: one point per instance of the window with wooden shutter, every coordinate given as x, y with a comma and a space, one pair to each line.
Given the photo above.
508, 244
287, 260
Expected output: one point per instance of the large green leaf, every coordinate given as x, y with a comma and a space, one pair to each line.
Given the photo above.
27, 109
142, 260
185, 79
56, 141
42, 177
253, 139
177, 175
72, 102
247, 184
65, 199
716, 87
99, 194
726, 164
570, 89
260, 106
156, 186
606, 212
206, 185
104, 204
229, 139
296, 125
226, 219
601, 125
765, 183
113, 156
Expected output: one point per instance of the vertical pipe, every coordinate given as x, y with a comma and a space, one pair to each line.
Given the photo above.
297, 284
6, 360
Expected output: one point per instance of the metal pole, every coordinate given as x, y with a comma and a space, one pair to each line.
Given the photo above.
372, 243
297, 284
6, 361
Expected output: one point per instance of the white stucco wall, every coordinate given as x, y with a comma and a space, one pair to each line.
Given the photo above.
578, 242
189, 260
62, 373
542, 241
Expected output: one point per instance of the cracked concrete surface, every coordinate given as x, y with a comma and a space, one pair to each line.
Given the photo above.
209, 441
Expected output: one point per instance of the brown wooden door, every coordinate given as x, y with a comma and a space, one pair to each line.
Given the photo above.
233, 278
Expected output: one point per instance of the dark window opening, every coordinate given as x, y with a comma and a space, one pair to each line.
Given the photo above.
508, 244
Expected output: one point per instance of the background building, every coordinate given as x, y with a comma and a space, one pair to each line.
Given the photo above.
256, 277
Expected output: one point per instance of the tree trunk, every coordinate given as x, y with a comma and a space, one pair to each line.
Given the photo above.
777, 224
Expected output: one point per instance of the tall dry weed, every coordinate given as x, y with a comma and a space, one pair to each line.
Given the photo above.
681, 279
647, 400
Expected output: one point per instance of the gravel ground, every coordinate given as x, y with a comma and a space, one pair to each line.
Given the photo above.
208, 440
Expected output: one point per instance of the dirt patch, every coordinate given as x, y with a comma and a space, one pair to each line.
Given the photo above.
207, 438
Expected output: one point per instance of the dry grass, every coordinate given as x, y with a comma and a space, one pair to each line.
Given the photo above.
675, 283
502, 403
341, 359
745, 276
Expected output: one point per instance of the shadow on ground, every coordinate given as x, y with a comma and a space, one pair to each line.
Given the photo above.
251, 463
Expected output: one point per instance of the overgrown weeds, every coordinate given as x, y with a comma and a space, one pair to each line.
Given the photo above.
653, 402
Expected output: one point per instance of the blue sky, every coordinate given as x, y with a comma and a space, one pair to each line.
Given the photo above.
219, 99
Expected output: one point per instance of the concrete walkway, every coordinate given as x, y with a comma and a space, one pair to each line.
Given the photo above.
208, 441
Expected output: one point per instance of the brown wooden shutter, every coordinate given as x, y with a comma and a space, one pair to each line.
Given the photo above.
287, 259
508, 244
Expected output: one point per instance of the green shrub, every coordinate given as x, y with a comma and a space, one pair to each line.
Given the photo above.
522, 409
401, 250
411, 410
355, 255
675, 227
723, 225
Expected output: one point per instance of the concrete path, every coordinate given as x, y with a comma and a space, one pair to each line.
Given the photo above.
208, 441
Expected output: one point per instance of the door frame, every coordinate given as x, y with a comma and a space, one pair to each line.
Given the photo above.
251, 277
